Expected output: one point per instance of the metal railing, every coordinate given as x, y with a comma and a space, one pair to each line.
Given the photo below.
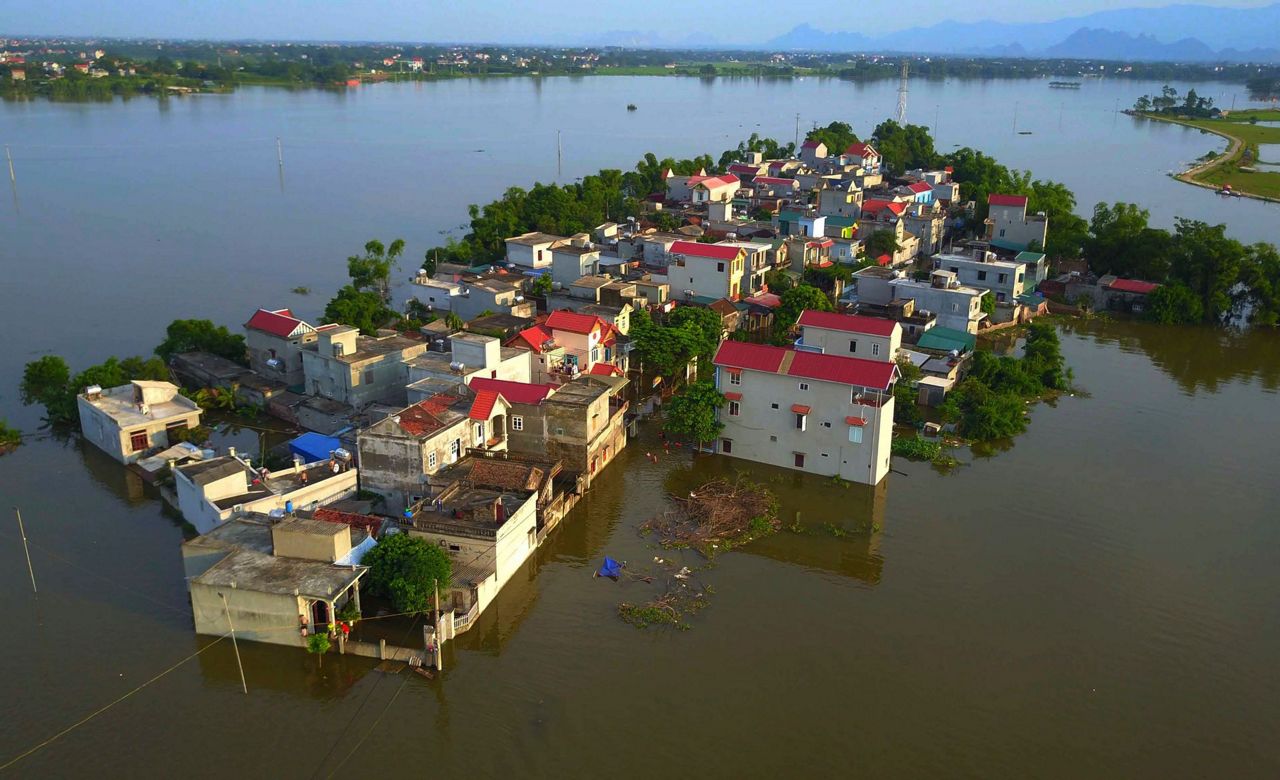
463, 622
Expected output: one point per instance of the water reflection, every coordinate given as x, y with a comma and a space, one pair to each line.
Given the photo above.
282, 669
1195, 357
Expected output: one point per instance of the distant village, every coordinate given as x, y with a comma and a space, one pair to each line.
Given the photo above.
480, 436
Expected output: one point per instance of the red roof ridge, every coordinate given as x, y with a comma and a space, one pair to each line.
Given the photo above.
849, 323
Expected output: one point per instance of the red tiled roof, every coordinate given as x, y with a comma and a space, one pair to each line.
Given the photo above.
605, 369
857, 421
733, 396
756, 357
278, 322
750, 170
861, 150
782, 180
845, 370
515, 392
368, 523
483, 404
849, 323
766, 299
800, 409
919, 187
422, 418
715, 251
1007, 200
875, 206
574, 322
533, 337
810, 144
1134, 286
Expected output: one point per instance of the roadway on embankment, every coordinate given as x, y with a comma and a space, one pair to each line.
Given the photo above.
1224, 168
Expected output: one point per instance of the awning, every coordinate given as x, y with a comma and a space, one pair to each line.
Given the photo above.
800, 409
733, 396
858, 421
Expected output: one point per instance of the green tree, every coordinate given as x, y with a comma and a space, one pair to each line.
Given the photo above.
838, 136
905, 147
1042, 357
1261, 276
795, 301
1121, 242
987, 304
693, 413
703, 325
541, 286
372, 270
661, 351
363, 309
983, 415
318, 644
44, 380
1174, 304
9, 437
1207, 262
881, 242
778, 281
202, 336
454, 321
407, 570
906, 409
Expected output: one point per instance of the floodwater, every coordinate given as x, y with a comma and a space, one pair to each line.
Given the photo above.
1098, 599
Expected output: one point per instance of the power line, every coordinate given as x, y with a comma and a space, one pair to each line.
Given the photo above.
40, 745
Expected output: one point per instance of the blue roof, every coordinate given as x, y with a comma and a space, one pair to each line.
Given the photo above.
313, 446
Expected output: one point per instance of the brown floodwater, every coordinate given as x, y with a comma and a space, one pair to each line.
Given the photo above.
1097, 599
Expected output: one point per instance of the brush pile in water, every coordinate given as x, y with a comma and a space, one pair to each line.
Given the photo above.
717, 516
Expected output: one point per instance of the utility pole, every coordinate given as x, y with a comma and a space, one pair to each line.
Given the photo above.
796, 143
1015, 116
9, 156
559, 156
23, 533
234, 644
439, 654
279, 153
902, 95
1233, 105
937, 109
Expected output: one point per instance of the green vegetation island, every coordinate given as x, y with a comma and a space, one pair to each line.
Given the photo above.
101, 70
1235, 171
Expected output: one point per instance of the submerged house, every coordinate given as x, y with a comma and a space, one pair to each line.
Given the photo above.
128, 421
276, 579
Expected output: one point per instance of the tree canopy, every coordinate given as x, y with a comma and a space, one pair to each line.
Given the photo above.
406, 569
693, 413
372, 270
201, 336
837, 136
363, 309
48, 382
795, 301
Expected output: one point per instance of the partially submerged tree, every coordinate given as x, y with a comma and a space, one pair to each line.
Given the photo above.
407, 570
202, 336
693, 414
372, 270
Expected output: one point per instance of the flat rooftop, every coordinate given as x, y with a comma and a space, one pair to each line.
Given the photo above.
532, 239
121, 404
368, 347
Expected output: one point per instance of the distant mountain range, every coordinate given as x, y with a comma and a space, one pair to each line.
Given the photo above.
1184, 33
1176, 33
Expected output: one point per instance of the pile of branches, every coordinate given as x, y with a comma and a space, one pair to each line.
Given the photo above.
717, 516
669, 609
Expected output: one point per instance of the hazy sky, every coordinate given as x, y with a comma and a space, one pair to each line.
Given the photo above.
509, 20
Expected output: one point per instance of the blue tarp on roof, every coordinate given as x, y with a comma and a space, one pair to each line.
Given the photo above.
313, 446
610, 568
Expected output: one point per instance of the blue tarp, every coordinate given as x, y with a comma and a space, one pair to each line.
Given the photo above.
313, 446
610, 568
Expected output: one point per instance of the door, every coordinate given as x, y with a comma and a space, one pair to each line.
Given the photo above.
320, 616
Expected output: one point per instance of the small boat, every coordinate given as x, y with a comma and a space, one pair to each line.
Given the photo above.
1024, 132
631, 106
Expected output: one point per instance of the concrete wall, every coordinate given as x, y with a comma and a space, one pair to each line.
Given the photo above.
258, 617
706, 277
104, 432
296, 543
765, 429
379, 379
395, 465
859, 345
1011, 224
960, 308
264, 346
1005, 280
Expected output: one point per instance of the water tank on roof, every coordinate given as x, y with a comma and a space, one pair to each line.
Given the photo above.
457, 366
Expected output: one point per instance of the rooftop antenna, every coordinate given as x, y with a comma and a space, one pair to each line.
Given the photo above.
902, 94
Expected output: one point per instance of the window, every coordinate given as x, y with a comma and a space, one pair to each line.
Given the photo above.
479, 431
734, 409
775, 406
1002, 232
955, 270
875, 349
804, 385
1002, 278
720, 267
431, 460
735, 377
773, 438
826, 424
726, 446
855, 434
138, 441
368, 376
800, 421
798, 459
853, 345
982, 276
1000, 297
455, 449
517, 423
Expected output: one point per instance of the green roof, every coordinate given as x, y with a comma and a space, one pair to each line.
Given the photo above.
790, 216
703, 300
946, 339
1012, 246
1027, 256
842, 221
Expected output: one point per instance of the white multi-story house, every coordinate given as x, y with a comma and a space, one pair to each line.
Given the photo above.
1010, 227
1005, 279
952, 304
127, 421
532, 250
824, 414
833, 333
706, 270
